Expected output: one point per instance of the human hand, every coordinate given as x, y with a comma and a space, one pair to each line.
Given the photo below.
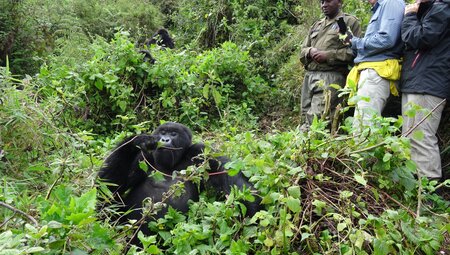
319, 56
312, 51
346, 38
412, 8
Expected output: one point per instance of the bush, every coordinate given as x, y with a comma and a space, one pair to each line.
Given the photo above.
186, 86
321, 194
33, 29
39, 213
24, 127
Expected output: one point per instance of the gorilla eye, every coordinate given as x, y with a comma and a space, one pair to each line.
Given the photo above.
162, 132
173, 134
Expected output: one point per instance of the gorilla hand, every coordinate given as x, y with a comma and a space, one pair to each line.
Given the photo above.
146, 142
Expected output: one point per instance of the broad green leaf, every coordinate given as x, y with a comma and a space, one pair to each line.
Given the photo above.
217, 97
153, 249
143, 166
387, 156
305, 236
360, 179
293, 204
34, 250
157, 176
381, 247
76, 218
268, 242
55, 224
411, 112
99, 84
122, 105
341, 226
294, 191
357, 239
319, 205
351, 84
418, 135
411, 165
234, 167
345, 194
264, 222
206, 91
88, 200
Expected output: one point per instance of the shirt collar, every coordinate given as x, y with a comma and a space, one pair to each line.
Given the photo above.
339, 14
375, 6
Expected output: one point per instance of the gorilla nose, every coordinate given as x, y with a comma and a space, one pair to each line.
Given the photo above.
165, 140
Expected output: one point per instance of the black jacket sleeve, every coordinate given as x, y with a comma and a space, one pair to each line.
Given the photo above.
428, 32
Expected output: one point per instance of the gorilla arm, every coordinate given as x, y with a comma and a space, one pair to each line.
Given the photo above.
223, 182
121, 168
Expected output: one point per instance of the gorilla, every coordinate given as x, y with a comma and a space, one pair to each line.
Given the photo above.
169, 148
147, 56
160, 38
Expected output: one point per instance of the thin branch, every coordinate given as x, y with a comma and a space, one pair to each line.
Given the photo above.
369, 148
405, 134
398, 203
419, 195
423, 119
7, 220
60, 176
15, 210
445, 166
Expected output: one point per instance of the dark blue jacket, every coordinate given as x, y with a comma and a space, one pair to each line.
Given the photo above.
426, 66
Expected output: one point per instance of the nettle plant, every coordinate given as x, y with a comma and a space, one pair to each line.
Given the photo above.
322, 193
39, 214
207, 86
345, 185
116, 87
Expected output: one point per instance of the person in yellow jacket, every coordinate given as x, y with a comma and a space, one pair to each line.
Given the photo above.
377, 62
326, 59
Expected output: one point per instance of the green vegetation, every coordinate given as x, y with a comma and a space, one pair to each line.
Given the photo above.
72, 84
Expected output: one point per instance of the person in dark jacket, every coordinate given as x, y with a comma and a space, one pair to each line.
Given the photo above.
425, 79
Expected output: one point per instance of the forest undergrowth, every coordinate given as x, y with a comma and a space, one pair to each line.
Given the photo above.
73, 86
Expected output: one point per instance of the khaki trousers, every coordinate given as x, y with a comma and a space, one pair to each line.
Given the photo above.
425, 151
373, 92
313, 97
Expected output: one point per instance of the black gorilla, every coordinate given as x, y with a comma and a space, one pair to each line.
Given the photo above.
168, 149
160, 38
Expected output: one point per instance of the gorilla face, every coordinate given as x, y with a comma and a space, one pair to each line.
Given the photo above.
174, 139
173, 135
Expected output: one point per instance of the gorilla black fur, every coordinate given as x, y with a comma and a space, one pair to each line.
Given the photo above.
169, 148
160, 38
